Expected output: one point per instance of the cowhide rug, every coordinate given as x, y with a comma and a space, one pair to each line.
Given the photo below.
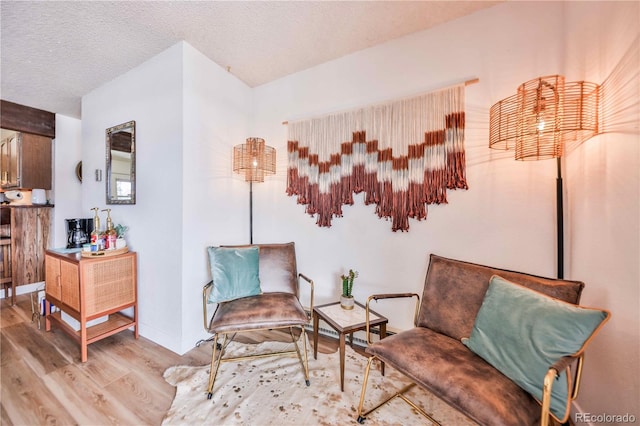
272, 391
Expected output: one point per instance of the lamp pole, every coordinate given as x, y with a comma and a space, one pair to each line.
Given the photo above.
250, 212
560, 219
254, 160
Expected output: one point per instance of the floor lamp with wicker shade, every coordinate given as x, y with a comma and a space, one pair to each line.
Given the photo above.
255, 160
540, 121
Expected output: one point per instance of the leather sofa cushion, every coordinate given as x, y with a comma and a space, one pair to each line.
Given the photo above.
267, 310
448, 369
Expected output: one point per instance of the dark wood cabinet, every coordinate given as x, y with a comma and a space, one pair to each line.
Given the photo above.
29, 235
26, 161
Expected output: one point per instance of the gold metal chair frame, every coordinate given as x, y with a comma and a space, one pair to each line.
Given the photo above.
218, 348
564, 363
216, 361
362, 415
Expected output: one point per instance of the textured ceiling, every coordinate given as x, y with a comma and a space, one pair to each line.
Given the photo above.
54, 52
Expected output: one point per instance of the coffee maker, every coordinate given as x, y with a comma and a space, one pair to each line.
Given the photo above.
78, 232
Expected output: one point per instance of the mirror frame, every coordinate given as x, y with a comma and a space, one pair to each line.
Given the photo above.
109, 132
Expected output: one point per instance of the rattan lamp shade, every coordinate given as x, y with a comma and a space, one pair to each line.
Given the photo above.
254, 159
539, 121
544, 115
503, 124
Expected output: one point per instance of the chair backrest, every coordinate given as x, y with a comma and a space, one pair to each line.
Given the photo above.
454, 291
277, 267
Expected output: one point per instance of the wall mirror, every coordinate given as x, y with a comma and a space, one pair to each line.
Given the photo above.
121, 164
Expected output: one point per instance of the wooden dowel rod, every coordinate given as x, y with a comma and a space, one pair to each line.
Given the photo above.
466, 83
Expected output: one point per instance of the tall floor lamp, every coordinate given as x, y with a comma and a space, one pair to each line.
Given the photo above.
255, 160
539, 121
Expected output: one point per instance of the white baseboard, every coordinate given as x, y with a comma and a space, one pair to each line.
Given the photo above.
24, 289
359, 337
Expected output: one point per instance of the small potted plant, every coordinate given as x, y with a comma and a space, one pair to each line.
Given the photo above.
121, 231
346, 299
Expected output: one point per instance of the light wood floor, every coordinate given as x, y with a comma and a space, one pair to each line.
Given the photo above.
42, 380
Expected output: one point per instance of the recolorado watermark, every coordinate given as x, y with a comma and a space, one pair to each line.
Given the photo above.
605, 418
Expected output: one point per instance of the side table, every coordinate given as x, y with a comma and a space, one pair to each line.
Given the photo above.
345, 322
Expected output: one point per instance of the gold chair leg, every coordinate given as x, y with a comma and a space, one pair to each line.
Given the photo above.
305, 362
306, 356
215, 364
362, 415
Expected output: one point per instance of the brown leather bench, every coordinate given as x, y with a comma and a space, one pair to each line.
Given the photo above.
433, 356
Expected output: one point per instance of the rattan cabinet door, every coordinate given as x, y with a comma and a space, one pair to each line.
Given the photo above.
70, 284
52, 277
109, 284
62, 281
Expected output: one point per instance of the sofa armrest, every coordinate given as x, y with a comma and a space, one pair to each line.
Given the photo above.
377, 297
563, 363
310, 281
206, 289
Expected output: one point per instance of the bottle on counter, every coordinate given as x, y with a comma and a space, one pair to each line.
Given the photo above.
110, 233
95, 234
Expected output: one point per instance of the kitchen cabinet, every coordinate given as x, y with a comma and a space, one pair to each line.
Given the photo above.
26, 161
88, 288
9, 161
29, 236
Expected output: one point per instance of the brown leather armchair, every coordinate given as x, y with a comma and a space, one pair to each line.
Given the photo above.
277, 307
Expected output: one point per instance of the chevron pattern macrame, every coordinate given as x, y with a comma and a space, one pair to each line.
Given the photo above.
403, 155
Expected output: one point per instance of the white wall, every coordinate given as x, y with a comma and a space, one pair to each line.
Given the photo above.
216, 117
603, 186
189, 113
66, 194
150, 94
507, 217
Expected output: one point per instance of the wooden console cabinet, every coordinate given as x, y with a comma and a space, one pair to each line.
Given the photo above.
90, 288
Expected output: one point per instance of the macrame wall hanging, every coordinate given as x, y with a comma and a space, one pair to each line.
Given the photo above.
403, 155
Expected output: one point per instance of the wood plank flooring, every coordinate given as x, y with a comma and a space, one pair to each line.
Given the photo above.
42, 380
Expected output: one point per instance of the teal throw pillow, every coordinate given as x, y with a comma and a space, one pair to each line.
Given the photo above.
522, 333
235, 273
